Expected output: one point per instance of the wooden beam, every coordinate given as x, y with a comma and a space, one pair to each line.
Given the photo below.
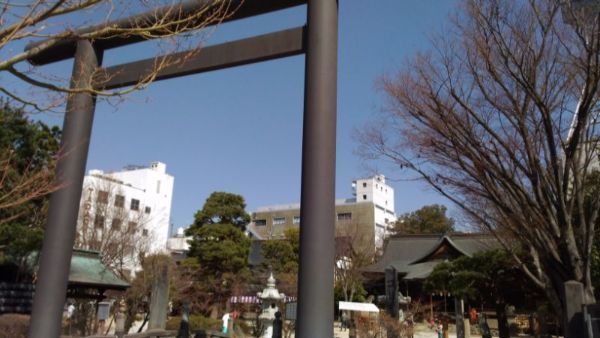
241, 52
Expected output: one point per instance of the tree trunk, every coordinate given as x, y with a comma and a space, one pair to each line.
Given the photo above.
503, 329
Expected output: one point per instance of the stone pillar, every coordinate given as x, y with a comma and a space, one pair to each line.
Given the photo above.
391, 292
467, 328
159, 300
120, 321
573, 324
459, 310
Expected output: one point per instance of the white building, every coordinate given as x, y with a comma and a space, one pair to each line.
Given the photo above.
127, 210
375, 190
179, 244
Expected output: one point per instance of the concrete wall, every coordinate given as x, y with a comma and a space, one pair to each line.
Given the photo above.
351, 219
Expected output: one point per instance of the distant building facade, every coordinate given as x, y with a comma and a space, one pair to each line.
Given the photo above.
126, 210
178, 245
369, 214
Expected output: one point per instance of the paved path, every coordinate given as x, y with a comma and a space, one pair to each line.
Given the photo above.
423, 332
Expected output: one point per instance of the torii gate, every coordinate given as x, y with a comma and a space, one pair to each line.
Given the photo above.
318, 40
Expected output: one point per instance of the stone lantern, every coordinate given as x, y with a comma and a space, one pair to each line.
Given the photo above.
269, 296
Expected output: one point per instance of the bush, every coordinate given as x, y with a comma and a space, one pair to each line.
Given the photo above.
196, 322
14, 326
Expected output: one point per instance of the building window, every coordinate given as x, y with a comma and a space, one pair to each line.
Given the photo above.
147, 210
145, 232
131, 227
344, 216
278, 220
364, 197
158, 187
364, 184
119, 201
135, 204
296, 219
260, 222
99, 221
116, 224
387, 221
102, 197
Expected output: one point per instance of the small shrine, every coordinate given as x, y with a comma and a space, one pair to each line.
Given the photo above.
269, 297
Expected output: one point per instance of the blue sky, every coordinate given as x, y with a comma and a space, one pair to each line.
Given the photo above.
239, 130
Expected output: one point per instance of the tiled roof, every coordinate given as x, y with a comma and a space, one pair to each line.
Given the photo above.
409, 254
87, 270
403, 250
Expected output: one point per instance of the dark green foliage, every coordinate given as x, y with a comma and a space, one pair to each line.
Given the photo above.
219, 242
430, 219
27, 156
217, 262
282, 255
279, 256
485, 277
222, 208
490, 278
33, 144
220, 248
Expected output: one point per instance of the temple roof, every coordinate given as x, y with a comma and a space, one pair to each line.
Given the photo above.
415, 256
87, 270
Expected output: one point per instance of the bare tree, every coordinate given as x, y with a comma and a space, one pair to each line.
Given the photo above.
354, 250
54, 22
31, 184
502, 119
107, 224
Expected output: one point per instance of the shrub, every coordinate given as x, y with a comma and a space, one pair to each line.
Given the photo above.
196, 322
14, 326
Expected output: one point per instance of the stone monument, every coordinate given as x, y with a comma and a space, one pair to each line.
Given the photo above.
269, 297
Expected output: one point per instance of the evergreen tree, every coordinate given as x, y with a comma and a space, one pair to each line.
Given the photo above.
430, 219
28, 151
217, 260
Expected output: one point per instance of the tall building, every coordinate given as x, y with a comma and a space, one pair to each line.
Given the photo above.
125, 213
374, 190
368, 214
